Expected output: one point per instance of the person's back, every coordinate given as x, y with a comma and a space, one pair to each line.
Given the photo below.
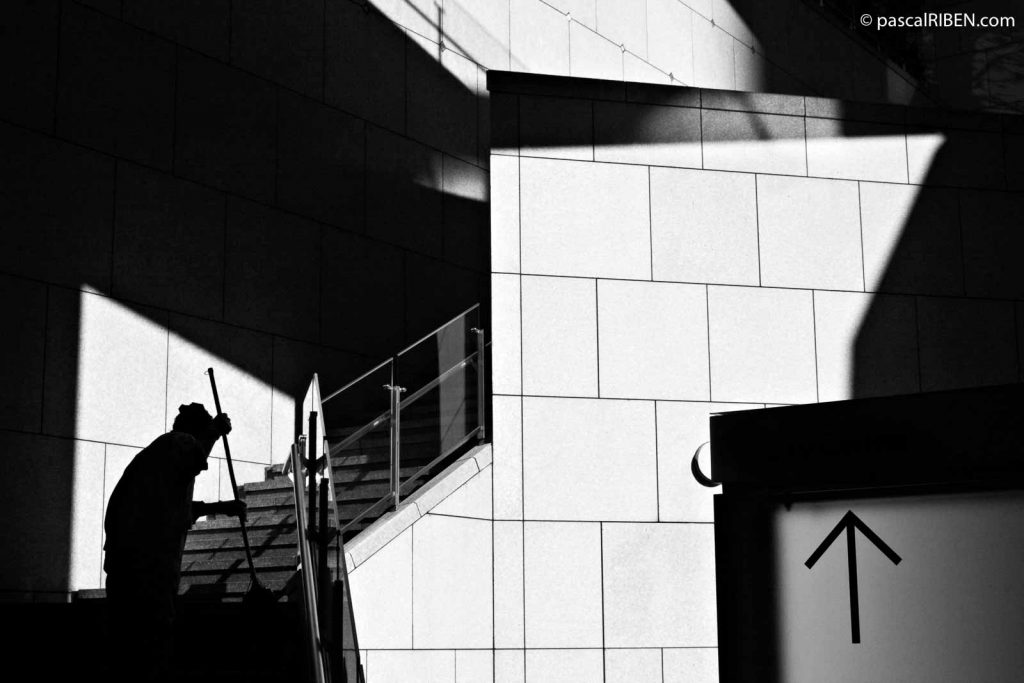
148, 517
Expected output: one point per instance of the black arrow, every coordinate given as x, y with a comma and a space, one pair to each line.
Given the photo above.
850, 522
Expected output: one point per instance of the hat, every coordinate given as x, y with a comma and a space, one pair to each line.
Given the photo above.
192, 418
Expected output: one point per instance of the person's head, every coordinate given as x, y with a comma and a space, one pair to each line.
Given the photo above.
193, 419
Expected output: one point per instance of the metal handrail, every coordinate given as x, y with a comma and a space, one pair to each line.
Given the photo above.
436, 330
309, 587
356, 381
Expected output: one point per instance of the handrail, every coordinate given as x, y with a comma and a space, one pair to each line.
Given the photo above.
356, 381
309, 590
437, 329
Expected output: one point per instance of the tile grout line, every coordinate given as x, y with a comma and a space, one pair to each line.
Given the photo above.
597, 336
860, 216
707, 320
814, 333
757, 227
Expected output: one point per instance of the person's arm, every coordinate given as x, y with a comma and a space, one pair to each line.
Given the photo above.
232, 508
219, 426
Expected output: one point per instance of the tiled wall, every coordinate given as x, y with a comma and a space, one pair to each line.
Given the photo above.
714, 251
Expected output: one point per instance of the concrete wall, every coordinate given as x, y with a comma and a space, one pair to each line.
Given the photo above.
686, 252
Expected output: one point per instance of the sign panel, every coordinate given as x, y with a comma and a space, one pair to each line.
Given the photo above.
925, 588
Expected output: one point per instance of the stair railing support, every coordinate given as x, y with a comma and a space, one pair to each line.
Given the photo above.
311, 456
396, 439
481, 380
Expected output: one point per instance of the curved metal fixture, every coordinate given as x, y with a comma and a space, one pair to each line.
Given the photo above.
701, 478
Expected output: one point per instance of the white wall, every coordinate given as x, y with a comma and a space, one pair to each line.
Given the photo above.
744, 251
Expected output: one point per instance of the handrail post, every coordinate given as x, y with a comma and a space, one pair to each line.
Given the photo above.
395, 438
311, 469
481, 383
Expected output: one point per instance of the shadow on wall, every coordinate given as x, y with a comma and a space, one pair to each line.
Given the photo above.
246, 182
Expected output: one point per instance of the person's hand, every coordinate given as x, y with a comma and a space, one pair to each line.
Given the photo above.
221, 425
233, 508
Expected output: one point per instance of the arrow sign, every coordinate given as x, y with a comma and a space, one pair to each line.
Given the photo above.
850, 522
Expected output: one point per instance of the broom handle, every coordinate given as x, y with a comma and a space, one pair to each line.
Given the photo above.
234, 486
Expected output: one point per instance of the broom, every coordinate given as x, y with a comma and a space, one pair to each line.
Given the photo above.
257, 593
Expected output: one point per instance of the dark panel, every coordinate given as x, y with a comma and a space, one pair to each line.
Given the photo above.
53, 193
282, 40
226, 127
116, 88
168, 242
322, 164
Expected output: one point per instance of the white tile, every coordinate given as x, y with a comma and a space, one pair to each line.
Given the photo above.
508, 585
382, 596
106, 369
624, 22
632, 666
583, 11
762, 345
647, 134
208, 484
559, 336
754, 142
731, 20
922, 148
242, 365
866, 345
417, 15
507, 421
563, 586
701, 7
539, 38
452, 585
443, 486
592, 55
474, 666
670, 38
859, 151
564, 666
659, 585
585, 219
472, 499
691, 665
810, 233
704, 226
752, 71
431, 666
636, 70
506, 356
912, 240
478, 30
86, 533
601, 450
504, 214
652, 340
682, 428
509, 666
713, 60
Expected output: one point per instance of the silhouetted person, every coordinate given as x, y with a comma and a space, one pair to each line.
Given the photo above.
148, 517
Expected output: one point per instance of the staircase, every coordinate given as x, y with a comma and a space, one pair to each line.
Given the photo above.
437, 418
